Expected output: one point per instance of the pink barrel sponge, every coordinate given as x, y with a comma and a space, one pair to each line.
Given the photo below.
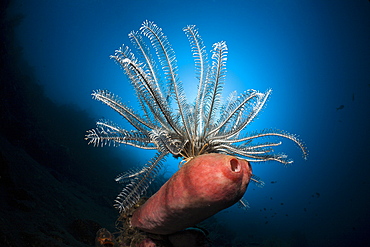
202, 187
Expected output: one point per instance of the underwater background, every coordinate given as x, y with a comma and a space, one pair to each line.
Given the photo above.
315, 55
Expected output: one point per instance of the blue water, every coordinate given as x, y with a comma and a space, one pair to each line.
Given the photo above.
315, 55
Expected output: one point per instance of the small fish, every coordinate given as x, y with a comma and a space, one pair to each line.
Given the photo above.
353, 97
340, 107
317, 195
273, 182
305, 209
281, 203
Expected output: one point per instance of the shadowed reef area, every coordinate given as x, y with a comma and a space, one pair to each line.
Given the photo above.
50, 194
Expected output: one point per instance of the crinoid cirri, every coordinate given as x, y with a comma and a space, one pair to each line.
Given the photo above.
170, 124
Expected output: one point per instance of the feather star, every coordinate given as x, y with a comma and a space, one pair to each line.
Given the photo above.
189, 130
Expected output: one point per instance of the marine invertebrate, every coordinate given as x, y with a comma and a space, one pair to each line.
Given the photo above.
171, 125
204, 186
105, 239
